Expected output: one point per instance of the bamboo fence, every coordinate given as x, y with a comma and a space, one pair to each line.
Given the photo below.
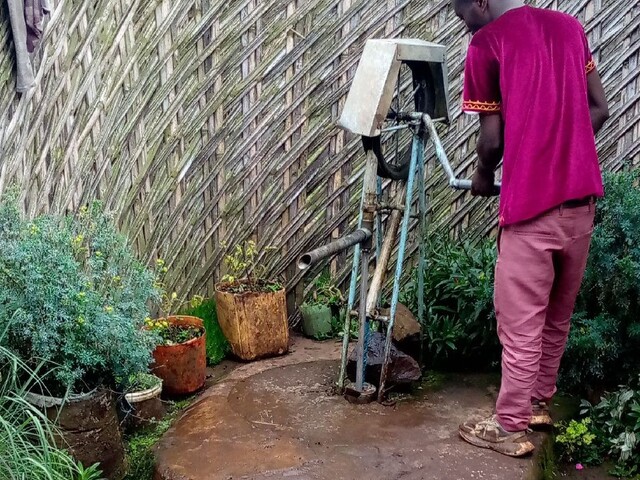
203, 123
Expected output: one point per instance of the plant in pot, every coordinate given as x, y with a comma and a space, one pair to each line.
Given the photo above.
251, 308
319, 311
73, 296
141, 403
181, 355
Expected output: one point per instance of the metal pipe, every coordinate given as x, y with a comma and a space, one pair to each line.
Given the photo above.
346, 333
330, 249
422, 202
417, 148
361, 363
464, 184
460, 184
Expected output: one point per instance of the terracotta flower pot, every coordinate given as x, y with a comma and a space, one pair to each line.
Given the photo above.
182, 367
255, 323
88, 426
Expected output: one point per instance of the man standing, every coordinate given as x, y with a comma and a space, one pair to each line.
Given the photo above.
530, 76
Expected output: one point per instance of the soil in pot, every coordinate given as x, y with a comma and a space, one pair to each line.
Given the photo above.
181, 362
254, 322
88, 426
316, 320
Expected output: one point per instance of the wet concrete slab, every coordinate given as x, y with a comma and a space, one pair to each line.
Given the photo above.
280, 419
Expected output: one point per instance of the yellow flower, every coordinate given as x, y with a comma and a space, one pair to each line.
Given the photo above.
84, 209
108, 309
174, 295
80, 320
165, 324
160, 262
82, 295
98, 253
117, 278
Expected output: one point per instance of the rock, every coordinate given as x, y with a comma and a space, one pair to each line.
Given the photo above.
403, 369
406, 331
406, 325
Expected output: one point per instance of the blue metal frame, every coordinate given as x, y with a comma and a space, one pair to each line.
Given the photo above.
417, 156
350, 302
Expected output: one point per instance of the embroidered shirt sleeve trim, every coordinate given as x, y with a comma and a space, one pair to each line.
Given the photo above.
591, 66
476, 106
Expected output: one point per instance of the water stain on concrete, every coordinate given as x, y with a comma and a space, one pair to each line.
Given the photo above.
282, 420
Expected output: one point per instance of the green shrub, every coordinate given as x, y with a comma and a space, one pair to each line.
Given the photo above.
217, 344
614, 424
460, 325
604, 345
577, 442
73, 294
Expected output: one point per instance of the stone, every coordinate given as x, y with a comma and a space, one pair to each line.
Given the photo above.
406, 331
402, 369
406, 325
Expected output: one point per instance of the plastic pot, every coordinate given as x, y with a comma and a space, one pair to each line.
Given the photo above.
316, 320
182, 367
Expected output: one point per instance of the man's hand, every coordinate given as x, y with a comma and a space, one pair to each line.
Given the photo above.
482, 184
490, 148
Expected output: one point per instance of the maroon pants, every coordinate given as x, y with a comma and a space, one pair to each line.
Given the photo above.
539, 270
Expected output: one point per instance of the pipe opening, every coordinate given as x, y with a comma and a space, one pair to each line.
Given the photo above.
304, 262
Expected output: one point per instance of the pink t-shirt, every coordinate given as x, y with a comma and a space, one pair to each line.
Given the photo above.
531, 66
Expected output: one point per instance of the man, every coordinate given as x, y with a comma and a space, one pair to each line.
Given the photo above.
530, 76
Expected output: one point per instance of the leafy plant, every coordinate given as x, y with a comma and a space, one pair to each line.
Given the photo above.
73, 294
26, 435
142, 381
577, 442
217, 344
91, 473
325, 292
173, 334
245, 274
460, 324
337, 327
604, 345
617, 416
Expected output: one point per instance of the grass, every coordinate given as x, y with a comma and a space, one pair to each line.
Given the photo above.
27, 450
140, 444
217, 345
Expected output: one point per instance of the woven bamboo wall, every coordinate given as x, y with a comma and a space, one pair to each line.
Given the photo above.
205, 122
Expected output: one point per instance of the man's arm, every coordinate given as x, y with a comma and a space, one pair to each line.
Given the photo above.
490, 149
597, 101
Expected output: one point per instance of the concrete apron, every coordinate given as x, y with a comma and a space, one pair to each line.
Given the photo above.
279, 419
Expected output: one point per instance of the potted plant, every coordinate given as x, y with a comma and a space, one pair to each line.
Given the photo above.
181, 355
74, 297
318, 312
251, 309
142, 404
